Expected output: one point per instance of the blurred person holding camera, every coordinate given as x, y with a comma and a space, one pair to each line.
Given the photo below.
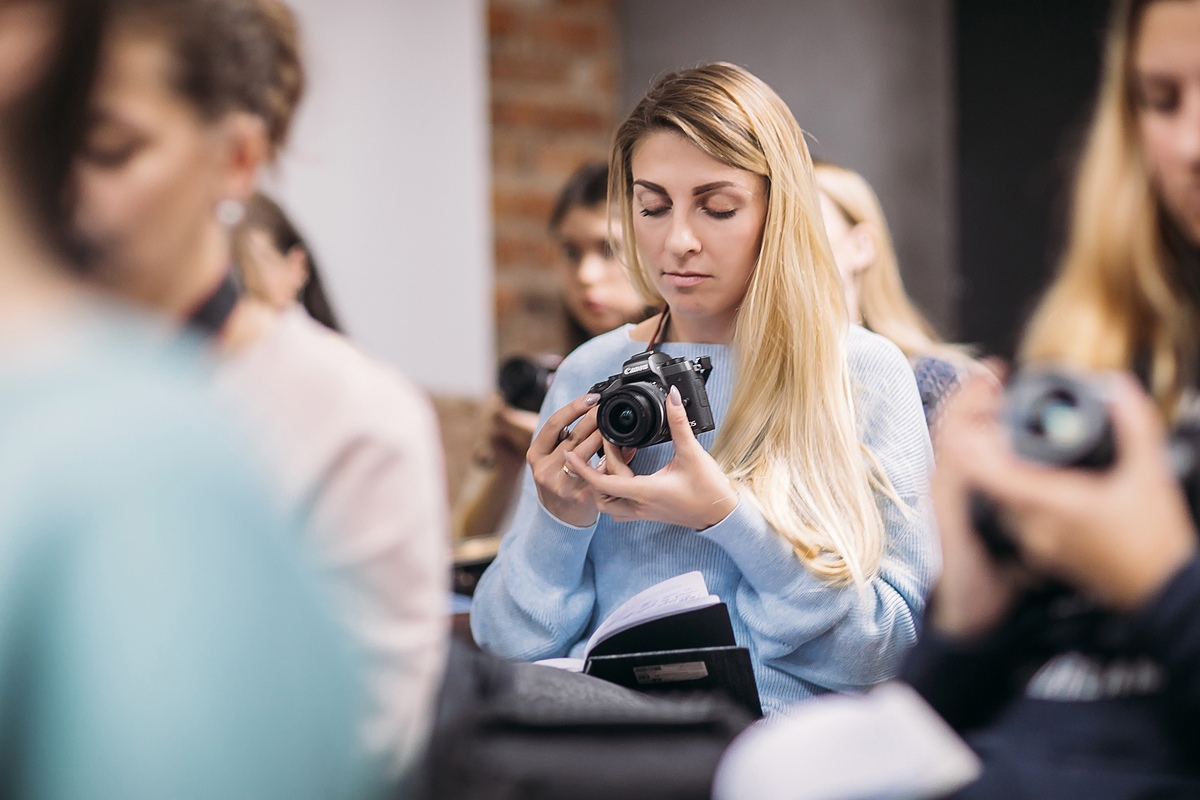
1063, 640
160, 634
597, 297
823, 556
194, 96
276, 265
862, 247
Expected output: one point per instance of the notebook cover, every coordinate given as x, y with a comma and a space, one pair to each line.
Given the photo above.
700, 627
723, 669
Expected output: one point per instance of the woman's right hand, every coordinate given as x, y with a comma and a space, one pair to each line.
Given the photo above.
563, 493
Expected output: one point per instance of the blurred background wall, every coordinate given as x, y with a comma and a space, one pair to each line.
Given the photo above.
388, 175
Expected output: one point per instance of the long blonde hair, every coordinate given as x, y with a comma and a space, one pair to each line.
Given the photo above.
885, 306
1114, 300
790, 437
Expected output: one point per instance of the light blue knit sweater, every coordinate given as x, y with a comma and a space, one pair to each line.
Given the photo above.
553, 583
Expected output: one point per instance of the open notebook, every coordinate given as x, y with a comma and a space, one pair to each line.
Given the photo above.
673, 636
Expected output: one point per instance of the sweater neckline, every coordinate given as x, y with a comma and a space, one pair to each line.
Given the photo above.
627, 329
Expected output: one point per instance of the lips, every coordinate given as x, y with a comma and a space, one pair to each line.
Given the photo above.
683, 280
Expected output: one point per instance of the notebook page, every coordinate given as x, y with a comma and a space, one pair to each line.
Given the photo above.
675, 595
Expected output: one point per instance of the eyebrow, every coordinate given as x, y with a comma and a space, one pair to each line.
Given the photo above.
699, 190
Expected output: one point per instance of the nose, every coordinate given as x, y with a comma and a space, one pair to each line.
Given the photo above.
681, 240
591, 269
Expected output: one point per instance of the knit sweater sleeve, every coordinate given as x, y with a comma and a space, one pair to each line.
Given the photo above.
842, 638
537, 598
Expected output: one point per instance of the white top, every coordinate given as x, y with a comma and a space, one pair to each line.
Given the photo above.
353, 448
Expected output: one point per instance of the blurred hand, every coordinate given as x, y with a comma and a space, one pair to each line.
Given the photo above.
1118, 535
975, 592
510, 431
691, 491
563, 492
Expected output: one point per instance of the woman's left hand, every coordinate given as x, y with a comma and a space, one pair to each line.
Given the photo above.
691, 491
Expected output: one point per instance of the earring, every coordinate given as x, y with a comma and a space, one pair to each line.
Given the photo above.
230, 212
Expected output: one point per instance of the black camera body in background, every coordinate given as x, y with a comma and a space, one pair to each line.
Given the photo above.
524, 380
1061, 419
632, 409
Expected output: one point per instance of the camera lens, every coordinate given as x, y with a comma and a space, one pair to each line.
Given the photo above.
622, 418
631, 417
1058, 418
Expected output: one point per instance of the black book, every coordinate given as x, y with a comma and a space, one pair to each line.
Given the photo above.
672, 637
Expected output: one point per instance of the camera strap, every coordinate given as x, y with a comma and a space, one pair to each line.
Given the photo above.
211, 315
660, 330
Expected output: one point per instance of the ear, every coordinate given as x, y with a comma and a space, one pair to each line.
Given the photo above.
297, 269
861, 248
245, 150
27, 35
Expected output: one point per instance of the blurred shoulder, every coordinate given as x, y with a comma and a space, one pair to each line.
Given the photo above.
302, 369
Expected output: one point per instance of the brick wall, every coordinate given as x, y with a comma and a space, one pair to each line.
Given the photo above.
554, 101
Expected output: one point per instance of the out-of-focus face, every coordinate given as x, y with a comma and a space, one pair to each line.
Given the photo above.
852, 251
1166, 63
149, 177
699, 226
596, 284
269, 275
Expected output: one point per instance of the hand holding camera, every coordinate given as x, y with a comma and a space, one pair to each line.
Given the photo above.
691, 491
1115, 527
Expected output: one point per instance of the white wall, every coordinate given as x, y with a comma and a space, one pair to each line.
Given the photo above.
388, 176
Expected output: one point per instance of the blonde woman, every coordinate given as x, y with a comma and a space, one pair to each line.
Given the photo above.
862, 247
1098, 697
806, 509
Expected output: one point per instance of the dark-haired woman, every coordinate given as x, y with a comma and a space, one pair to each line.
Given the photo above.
597, 297
194, 96
149, 599
277, 266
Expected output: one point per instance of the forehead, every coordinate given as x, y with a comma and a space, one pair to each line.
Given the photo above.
583, 224
134, 80
671, 161
1168, 39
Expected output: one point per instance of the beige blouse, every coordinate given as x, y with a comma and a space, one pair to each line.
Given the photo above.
354, 447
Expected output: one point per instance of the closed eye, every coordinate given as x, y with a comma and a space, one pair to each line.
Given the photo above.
720, 214
655, 212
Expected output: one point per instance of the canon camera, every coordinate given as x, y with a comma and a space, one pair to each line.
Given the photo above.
632, 410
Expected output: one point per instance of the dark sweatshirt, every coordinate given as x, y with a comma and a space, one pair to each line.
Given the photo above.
1064, 700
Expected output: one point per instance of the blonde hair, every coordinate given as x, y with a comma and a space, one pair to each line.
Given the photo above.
1114, 299
790, 438
885, 306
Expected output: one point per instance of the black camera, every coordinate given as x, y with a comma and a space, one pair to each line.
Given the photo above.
1061, 419
523, 380
632, 409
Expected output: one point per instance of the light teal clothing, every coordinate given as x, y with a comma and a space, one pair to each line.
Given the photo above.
159, 635
552, 583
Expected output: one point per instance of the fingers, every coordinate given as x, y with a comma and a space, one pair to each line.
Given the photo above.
677, 418
613, 486
616, 459
1137, 425
548, 438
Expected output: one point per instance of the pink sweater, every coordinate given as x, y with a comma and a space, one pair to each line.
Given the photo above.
354, 448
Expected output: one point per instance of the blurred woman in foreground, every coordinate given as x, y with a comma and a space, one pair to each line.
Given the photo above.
149, 600
194, 96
